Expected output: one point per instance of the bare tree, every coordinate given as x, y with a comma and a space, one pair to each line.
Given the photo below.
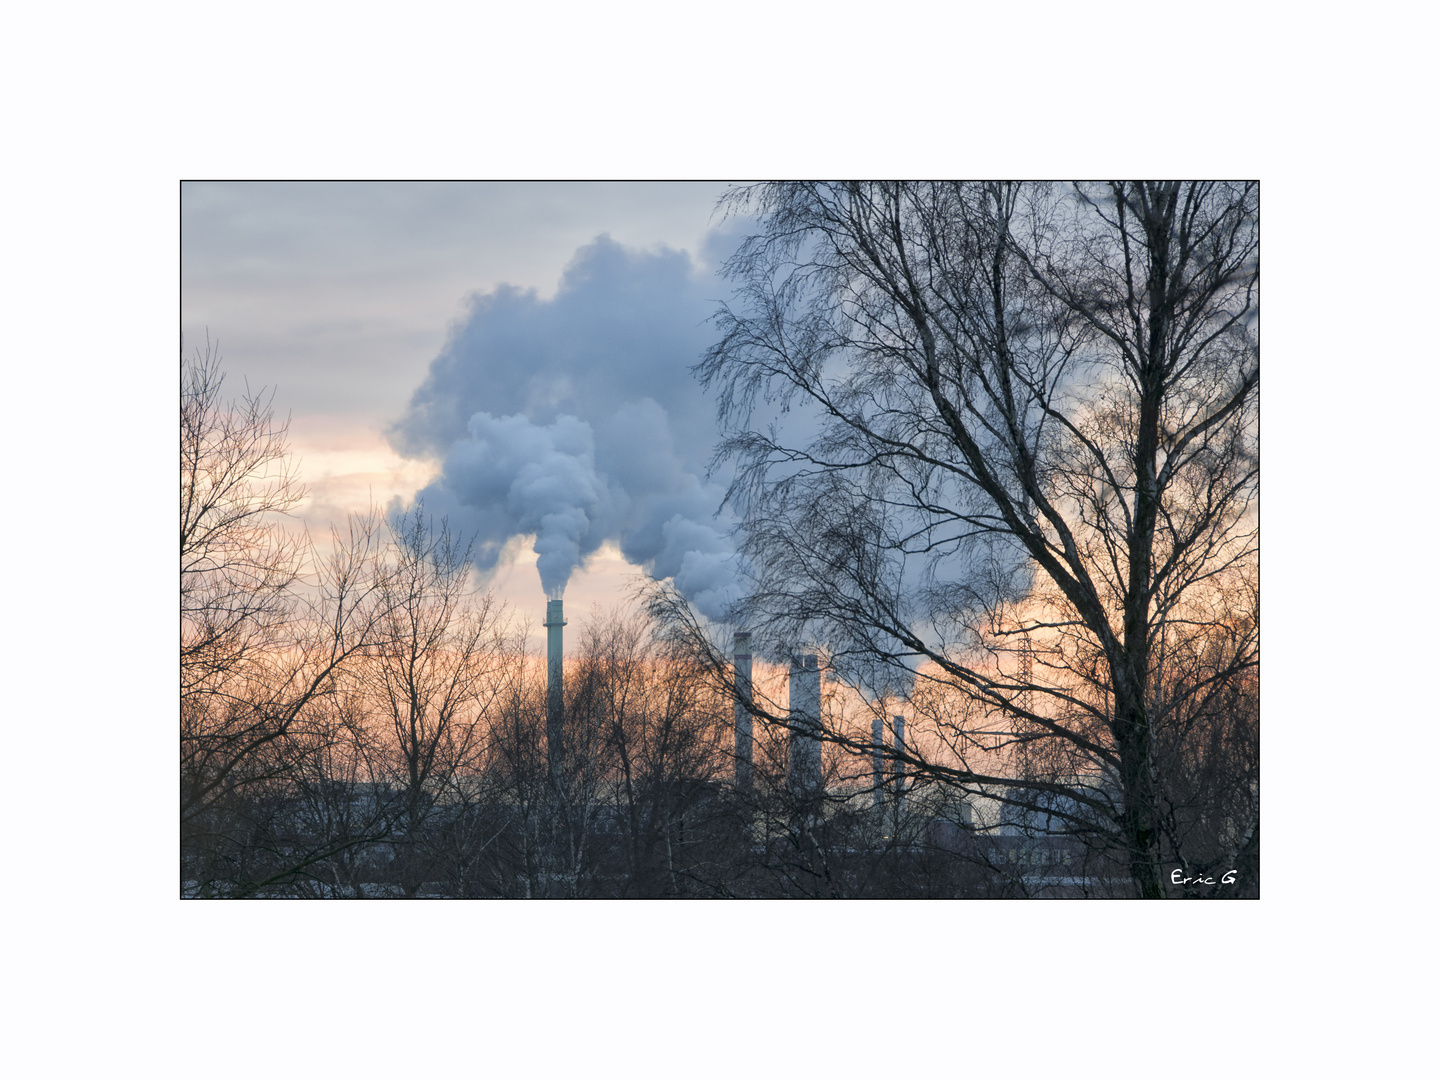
522, 865
432, 679
238, 563
1002, 439
661, 733
336, 805
264, 632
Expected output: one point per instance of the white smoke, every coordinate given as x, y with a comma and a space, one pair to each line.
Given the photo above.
703, 563
576, 420
543, 476
527, 478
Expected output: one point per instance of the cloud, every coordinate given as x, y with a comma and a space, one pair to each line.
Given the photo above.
576, 419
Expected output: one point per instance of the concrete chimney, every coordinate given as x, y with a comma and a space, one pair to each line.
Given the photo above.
804, 771
900, 765
877, 758
555, 686
744, 744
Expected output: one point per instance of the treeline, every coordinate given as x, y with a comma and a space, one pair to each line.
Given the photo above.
362, 722
418, 773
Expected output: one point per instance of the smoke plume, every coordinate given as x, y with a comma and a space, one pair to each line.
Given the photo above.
576, 420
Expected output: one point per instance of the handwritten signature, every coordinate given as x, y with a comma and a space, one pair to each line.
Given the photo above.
1178, 878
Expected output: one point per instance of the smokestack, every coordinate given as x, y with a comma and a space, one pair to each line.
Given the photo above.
804, 778
743, 720
555, 686
877, 759
900, 765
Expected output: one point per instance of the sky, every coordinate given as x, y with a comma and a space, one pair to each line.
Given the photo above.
514, 355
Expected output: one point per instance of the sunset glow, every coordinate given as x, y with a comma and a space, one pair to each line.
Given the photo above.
986, 534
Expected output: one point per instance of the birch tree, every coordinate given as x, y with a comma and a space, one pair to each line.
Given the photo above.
996, 445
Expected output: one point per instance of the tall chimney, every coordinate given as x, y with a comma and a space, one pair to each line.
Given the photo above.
900, 765
804, 778
555, 686
743, 742
877, 757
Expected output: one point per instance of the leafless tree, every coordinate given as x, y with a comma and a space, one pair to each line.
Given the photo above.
660, 734
264, 631
998, 443
336, 806
431, 680
238, 563
522, 863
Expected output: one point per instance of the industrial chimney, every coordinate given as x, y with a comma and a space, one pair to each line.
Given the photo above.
877, 757
743, 721
804, 771
899, 765
555, 686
